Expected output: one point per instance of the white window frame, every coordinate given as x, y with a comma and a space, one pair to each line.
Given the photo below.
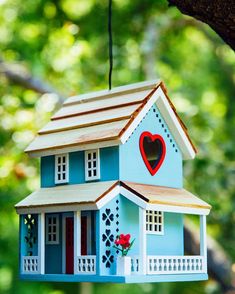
91, 169
57, 232
57, 172
153, 222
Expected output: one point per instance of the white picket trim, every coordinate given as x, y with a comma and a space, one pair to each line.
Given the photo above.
175, 265
30, 265
86, 264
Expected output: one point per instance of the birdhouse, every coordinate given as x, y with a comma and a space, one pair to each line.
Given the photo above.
111, 206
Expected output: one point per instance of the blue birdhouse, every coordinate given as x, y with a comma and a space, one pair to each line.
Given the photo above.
111, 206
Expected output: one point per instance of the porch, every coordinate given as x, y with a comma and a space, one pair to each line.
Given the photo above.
158, 252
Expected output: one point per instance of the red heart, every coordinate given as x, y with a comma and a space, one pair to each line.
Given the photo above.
153, 151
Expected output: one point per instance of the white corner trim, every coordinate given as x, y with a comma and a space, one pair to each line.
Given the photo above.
108, 197
124, 192
132, 197
41, 242
171, 120
142, 242
140, 116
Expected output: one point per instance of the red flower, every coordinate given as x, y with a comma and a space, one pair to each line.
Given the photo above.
124, 242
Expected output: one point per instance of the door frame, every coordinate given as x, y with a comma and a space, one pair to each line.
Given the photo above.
64, 216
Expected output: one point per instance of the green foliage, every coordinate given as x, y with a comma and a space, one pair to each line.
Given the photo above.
65, 43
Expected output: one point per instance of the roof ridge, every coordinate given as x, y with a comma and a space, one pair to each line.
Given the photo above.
117, 91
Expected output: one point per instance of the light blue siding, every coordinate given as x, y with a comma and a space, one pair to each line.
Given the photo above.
76, 167
53, 253
129, 222
172, 241
109, 163
48, 171
109, 167
132, 167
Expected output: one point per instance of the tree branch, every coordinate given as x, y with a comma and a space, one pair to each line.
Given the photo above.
17, 74
218, 14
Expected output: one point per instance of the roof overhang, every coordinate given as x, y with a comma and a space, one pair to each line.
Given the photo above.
94, 196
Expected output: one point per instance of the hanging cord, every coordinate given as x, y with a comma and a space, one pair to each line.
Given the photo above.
110, 44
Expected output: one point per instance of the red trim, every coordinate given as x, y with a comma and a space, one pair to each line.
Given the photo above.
84, 235
69, 245
142, 151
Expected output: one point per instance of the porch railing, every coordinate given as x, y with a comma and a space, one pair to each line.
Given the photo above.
86, 264
135, 265
30, 265
175, 265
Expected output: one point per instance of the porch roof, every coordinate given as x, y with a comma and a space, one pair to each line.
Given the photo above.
95, 195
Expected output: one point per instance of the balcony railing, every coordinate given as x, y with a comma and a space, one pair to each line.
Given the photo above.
30, 264
86, 264
175, 265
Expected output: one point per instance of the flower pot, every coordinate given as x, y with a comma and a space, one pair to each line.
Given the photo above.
123, 265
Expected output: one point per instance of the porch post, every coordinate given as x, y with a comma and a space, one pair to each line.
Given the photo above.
77, 238
142, 242
203, 244
41, 242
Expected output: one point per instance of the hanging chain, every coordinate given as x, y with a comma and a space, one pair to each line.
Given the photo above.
110, 44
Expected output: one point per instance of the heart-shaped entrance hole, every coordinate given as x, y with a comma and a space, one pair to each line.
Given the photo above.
153, 150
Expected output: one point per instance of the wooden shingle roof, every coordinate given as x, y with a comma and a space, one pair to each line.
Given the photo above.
107, 118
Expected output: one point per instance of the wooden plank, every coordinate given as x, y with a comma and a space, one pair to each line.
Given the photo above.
100, 105
87, 120
74, 148
122, 90
169, 196
93, 134
70, 194
67, 112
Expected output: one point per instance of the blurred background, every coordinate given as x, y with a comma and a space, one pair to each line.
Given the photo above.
50, 50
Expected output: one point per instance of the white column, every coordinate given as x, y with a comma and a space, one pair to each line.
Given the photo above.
142, 242
203, 244
77, 238
41, 242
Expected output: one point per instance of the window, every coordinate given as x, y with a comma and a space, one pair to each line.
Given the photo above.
154, 222
92, 165
61, 169
52, 229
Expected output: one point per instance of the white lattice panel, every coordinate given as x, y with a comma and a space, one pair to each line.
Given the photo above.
175, 264
86, 264
30, 264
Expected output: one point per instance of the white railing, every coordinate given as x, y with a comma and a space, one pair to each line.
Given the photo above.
86, 264
175, 265
30, 265
135, 265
